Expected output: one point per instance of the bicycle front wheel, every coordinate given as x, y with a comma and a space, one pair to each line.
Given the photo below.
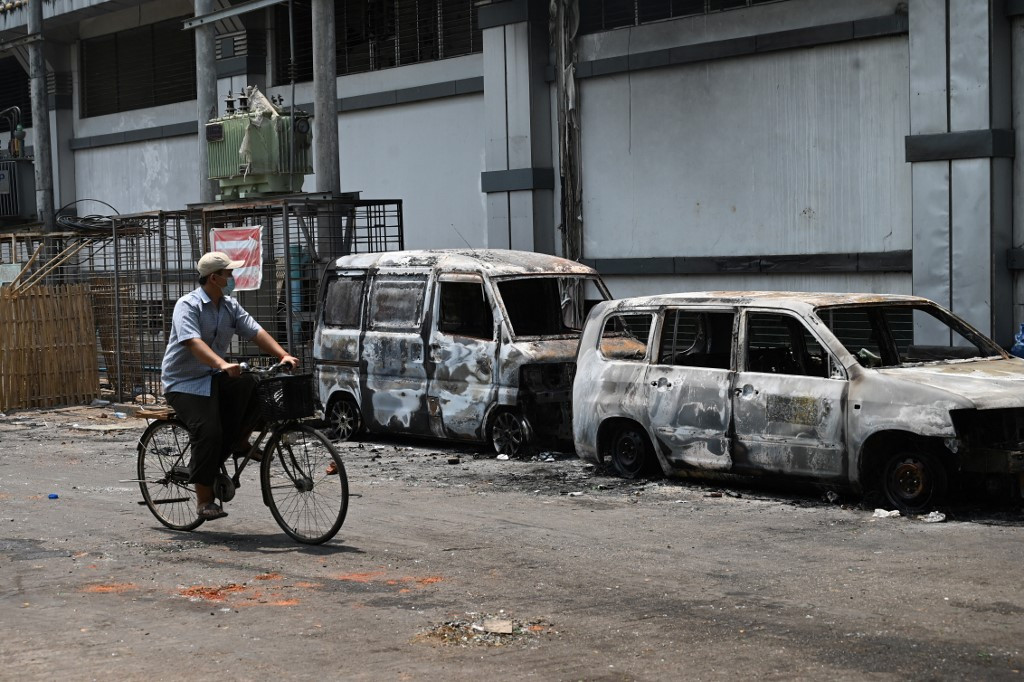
308, 503
164, 452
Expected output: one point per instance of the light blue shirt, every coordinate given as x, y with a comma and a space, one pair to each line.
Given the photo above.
196, 317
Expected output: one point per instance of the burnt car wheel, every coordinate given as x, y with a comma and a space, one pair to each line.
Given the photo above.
913, 481
344, 419
510, 434
631, 455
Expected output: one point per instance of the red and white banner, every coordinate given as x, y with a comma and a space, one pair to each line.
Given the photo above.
245, 244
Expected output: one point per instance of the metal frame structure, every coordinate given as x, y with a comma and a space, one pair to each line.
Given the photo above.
141, 264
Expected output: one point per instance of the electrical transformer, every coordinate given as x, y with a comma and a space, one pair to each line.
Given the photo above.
257, 149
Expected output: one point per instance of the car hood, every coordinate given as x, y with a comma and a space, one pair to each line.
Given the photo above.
986, 383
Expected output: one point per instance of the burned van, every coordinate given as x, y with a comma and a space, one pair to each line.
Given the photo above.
475, 345
859, 391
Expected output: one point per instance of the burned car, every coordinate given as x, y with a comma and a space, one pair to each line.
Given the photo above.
855, 391
459, 344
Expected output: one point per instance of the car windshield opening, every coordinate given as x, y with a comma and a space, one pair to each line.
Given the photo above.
548, 306
891, 335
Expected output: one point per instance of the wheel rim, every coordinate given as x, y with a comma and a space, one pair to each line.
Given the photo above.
912, 482
909, 479
172, 501
306, 502
629, 452
344, 419
507, 434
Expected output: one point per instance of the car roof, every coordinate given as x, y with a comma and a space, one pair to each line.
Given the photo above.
491, 261
785, 300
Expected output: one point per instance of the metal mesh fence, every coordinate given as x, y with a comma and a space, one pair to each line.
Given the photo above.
138, 265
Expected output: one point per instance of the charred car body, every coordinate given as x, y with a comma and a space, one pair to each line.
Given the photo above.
458, 344
856, 391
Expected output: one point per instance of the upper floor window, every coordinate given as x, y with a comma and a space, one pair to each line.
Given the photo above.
14, 91
602, 15
138, 68
379, 34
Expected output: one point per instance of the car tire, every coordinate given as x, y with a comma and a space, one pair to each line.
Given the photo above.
630, 451
914, 482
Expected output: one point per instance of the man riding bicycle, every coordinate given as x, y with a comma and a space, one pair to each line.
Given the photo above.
211, 396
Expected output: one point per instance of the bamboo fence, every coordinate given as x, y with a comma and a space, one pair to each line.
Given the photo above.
47, 347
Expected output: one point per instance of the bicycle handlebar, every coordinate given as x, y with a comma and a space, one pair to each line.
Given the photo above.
265, 371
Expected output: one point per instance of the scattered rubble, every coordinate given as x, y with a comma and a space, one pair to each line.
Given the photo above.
478, 629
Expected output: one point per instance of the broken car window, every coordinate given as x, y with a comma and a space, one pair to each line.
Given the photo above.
894, 334
780, 344
625, 337
396, 303
692, 338
544, 306
465, 310
862, 332
343, 302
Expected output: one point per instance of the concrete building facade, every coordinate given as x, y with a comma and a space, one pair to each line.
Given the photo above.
837, 145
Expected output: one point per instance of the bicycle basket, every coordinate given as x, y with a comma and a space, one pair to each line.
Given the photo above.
286, 397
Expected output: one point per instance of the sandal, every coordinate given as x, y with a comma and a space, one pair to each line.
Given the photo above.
332, 469
210, 511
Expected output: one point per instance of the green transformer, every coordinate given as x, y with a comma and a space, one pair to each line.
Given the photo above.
253, 152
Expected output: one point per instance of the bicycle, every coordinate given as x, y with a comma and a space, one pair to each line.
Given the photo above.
308, 503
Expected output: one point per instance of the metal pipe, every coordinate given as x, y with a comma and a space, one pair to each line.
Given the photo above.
119, 391
291, 76
287, 277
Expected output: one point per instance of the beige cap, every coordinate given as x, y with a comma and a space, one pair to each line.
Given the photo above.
217, 260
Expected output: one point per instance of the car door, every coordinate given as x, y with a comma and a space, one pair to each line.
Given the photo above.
789, 400
391, 355
462, 356
688, 387
336, 338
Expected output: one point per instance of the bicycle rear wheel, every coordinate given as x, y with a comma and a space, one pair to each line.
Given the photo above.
306, 502
164, 451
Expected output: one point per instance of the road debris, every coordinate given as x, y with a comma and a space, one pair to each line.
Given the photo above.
933, 517
478, 629
886, 514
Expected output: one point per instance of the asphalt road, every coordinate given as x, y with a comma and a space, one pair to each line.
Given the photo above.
597, 578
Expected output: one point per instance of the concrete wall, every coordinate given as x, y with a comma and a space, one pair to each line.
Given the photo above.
143, 176
430, 155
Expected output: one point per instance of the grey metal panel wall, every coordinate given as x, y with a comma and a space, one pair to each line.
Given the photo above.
623, 286
971, 241
1017, 49
792, 152
971, 227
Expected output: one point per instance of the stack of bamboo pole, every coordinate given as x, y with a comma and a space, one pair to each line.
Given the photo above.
47, 347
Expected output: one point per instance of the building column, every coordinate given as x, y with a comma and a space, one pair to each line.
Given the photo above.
40, 118
62, 123
326, 163
518, 178
961, 147
206, 94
